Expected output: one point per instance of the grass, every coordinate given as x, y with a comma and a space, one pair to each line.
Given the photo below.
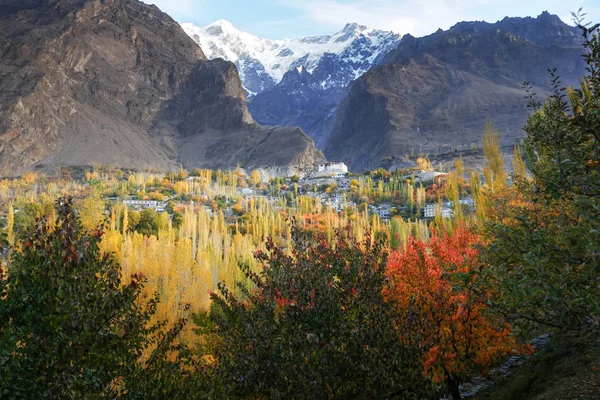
568, 368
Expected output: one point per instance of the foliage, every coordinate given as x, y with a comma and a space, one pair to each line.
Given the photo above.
148, 223
4, 241
545, 241
495, 175
440, 301
70, 328
91, 212
26, 217
313, 324
177, 220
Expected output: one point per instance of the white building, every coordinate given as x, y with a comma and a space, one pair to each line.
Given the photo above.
330, 169
385, 214
143, 204
431, 210
424, 176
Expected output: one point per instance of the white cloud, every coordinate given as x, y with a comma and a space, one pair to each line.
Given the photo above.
411, 16
419, 17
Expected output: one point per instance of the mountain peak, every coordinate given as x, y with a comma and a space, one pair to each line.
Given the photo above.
262, 63
354, 27
552, 18
221, 27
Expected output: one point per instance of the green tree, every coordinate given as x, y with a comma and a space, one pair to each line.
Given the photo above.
314, 324
148, 223
177, 220
27, 216
545, 244
170, 208
71, 329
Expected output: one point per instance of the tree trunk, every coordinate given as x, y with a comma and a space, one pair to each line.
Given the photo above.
453, 386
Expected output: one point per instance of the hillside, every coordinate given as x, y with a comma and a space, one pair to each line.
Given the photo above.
119, 82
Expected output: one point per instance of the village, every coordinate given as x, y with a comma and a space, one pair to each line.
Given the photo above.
329, 184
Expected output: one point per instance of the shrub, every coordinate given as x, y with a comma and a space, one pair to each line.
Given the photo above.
444, 309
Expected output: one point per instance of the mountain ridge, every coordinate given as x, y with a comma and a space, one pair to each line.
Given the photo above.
311, 73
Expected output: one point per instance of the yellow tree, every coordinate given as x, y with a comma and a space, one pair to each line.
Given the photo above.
519, 170
92, 212
494, 172
10, 224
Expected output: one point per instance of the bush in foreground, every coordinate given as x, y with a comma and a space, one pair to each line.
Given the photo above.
313, 324
70, 328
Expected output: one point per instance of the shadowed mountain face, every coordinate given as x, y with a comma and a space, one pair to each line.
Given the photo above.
118, 82
299, 100
434, 94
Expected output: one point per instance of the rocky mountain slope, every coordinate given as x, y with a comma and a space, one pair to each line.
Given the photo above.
299, 100
434, 94
119, 82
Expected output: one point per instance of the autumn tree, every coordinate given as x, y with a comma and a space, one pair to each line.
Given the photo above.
92, 211
313, 324
443, 307
494, 172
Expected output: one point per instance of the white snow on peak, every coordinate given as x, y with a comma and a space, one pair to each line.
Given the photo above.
222, 40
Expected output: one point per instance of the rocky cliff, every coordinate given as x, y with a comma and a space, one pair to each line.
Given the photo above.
118, 82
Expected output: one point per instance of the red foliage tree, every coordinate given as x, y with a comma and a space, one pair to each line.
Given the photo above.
443, 308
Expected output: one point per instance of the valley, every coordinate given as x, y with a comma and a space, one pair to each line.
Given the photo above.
192, 211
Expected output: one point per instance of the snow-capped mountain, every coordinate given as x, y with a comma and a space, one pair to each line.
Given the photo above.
262, 63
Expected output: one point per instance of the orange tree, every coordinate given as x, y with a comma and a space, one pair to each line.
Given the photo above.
444, 309
315, 325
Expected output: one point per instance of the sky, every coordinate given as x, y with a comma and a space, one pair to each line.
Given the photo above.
278, 19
